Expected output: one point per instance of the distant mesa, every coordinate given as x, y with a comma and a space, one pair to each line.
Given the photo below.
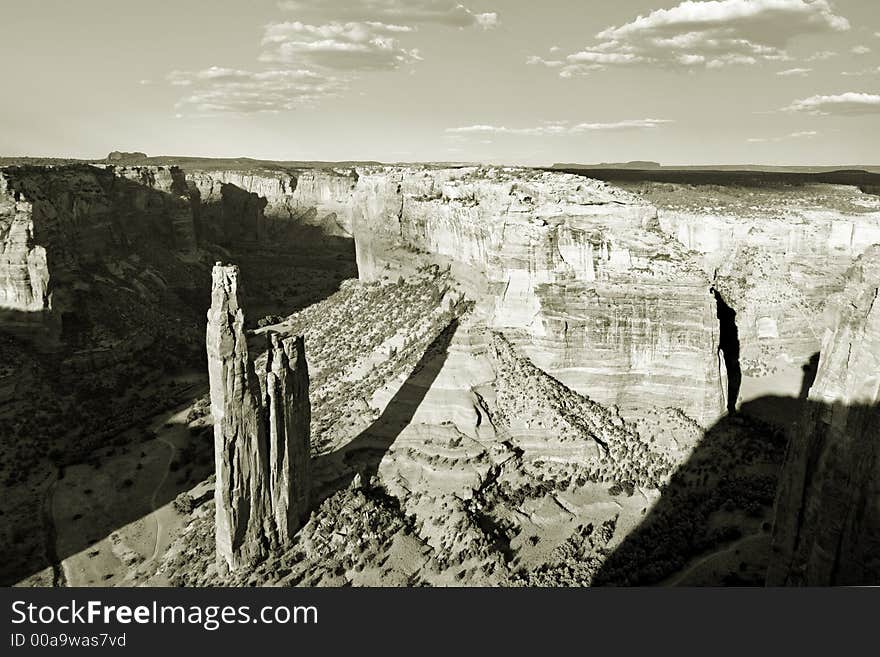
124, 157
635, 164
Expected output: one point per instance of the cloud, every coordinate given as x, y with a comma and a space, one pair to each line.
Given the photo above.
804, 134
710, 34
310, 61
412, 12
849, 103
559, 128
860, 50
794, 71
217, 90
349, 46
821, 55
867, 71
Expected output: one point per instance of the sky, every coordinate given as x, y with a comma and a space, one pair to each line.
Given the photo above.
787, 82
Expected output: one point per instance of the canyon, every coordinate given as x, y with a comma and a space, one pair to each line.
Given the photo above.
514, 376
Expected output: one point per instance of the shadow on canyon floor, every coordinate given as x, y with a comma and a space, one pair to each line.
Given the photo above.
363, 454
713, 522
721, 495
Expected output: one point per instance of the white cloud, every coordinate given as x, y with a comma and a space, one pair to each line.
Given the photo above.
794, 71
550, 63
349, 46
218, 90
821, 55
849, 103
867, 71
803, 134
860, 50
310, 61
711, 34
559, 128
442, 12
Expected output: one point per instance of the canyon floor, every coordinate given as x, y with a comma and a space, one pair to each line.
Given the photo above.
446, 450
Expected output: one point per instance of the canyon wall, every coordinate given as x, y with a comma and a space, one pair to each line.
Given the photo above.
827, 528
70, 235
776, 255
68, 229
261, 442
238, 206
576, 272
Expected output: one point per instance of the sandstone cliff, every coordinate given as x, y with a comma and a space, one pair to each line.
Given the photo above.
257, 206
261, 445
66, 231
827, 528
776, 254
577, 272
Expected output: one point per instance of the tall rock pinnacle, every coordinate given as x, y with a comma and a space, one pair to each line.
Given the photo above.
287, 402
261, 448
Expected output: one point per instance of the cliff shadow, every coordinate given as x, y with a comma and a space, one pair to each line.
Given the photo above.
810, 369
289, 262
738, 504
714, 515
363, 454
728, 345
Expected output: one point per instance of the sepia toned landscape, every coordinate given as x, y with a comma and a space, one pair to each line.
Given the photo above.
468, 370
514, 377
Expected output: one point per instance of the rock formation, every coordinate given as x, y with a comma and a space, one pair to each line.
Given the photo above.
287, 401
577, 272
261, 445
775, 254
827, 528
125, 156
24, 272
274, 202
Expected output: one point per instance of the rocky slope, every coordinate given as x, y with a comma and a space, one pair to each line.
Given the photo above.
827, 529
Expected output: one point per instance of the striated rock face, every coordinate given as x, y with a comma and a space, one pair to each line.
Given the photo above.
827, 529
776, 254
261, 448
239, 205
287, 402
577, 272
24, 272
65, 229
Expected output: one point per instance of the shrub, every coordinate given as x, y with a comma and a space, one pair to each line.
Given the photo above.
184, 504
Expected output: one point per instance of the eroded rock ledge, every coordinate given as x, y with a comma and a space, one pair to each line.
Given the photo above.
261, 442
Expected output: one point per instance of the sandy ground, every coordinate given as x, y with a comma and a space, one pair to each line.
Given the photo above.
134, 484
